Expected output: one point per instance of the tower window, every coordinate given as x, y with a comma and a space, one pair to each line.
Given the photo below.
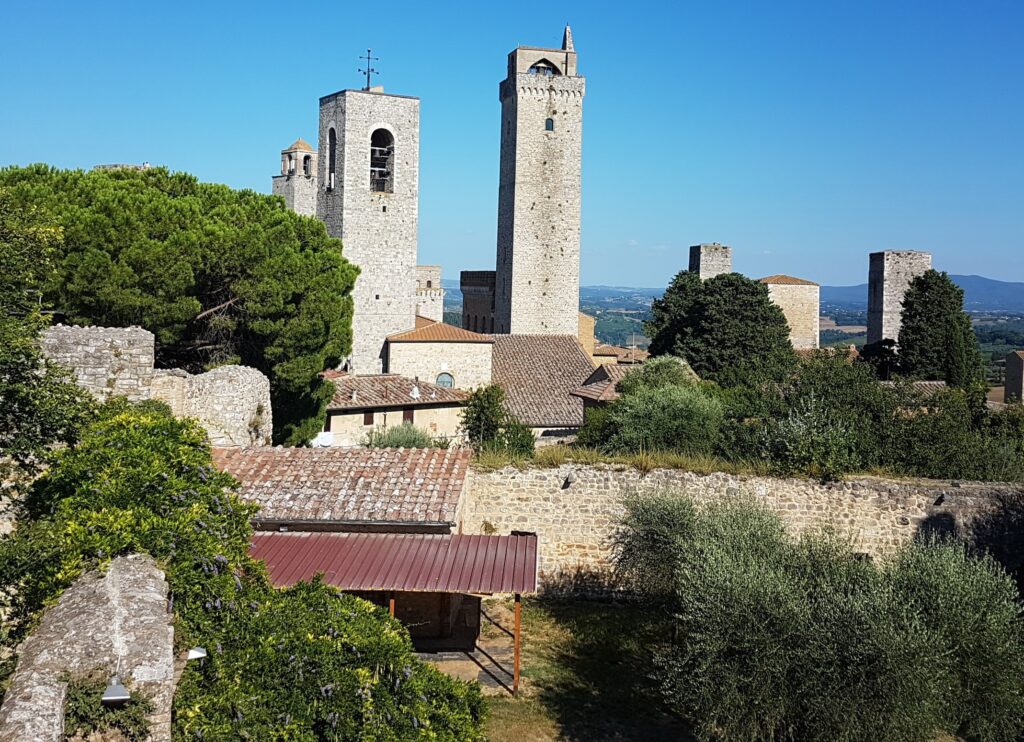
382, 161
549, 125
445, 380
332, 152
307, 164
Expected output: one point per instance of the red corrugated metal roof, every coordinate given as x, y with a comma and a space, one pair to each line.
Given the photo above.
404, 562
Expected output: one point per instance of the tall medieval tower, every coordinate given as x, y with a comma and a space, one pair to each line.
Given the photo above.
889, 276
537, 284
297, 181
368, 195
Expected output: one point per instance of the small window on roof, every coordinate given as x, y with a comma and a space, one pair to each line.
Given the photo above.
446, 380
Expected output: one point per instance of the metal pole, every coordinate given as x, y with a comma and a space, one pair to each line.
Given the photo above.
515, 644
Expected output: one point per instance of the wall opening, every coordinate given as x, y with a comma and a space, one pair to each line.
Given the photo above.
549, 125
543, 67
307, 166
446, 380
382, 160
332, 155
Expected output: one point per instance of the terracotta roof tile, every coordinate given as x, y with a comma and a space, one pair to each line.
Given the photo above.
389, 390
419, 485
429, 331
624, 355
600, 385
787, 280
538, 374
299, 144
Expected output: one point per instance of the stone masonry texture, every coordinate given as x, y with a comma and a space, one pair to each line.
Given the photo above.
468, 363
378, 230
710, 259
538, 256
116, 622
231, 402
1015, 377
429, 294
889, 276
802, 305
576, 521
477, 300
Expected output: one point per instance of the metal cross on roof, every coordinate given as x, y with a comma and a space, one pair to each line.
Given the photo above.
369, 70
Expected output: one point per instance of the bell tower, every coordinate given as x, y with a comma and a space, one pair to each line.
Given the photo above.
297, 181
537, 280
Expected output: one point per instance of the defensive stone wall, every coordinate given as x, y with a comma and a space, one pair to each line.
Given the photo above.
114, 623
574, 510
231, 402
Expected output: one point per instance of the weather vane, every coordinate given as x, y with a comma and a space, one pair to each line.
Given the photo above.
369, 70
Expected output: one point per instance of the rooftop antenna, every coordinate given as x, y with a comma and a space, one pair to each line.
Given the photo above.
369, 70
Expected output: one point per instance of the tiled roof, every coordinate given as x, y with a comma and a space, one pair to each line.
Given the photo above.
389, 390
538, 374
600, 386
624, 355
420, 485
928, 388
299, 144
1019, 353
429, 331
788, 280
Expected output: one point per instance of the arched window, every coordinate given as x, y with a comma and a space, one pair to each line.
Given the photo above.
307, 162
291, 165
543, 67
445, 380
332, 151
549, 125
382, 161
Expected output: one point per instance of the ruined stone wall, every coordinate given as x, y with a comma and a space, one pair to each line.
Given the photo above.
801, 304
378, 229
889, 276
468, 363
106, 361
575, 521
116, 622
710, 259
231, 402
538, 260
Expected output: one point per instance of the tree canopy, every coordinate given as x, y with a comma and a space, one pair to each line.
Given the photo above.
726, 328
218, 275
936, 339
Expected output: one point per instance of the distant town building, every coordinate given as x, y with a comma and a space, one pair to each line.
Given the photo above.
710, 259
1014, 393
800, 302
889, 276
297, 181
429, 294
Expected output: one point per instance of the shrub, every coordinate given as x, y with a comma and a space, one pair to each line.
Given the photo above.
674, 418
515, 438
594, 432
779, 638
657, 373
405, 435
85, 715
484, 415
811, 439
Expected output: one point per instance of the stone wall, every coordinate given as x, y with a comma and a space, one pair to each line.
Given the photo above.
710, 259
1014, 393
117, 622
429, 294
351, 428
231, 402
575, 521
801, 304
468, 363
477, 300
889, 276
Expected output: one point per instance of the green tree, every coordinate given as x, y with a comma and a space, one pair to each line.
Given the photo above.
672, 418
484, 416
39, 404
219, 276
936, 339
657, 373
726, 327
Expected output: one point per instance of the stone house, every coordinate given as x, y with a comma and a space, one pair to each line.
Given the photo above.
446, 355
800, 302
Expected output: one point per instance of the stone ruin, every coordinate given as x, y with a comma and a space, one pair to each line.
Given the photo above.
116, 622
231, 402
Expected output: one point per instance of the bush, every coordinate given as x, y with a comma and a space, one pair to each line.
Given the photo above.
405, 435
594, 431
795, 639
658, 373
675, 418
515, 438
812, 439
484, 415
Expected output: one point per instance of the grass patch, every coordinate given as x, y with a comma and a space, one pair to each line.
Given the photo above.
587, 676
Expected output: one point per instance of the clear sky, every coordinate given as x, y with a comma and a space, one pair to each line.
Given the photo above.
803, 134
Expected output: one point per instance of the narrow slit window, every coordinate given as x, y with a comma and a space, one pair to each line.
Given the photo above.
549, 125
332, 151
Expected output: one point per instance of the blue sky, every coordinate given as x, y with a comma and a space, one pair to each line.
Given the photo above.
804, 134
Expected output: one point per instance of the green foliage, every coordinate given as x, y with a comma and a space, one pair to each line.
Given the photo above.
219, 276
85, 714
677, 418
813, 438
594, 431
39, 404
489, 428
726, 327
936, 339
657, 373
405, 435
140, 480
515, 438
784, 639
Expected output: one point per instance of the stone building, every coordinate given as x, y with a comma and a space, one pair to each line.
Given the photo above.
800, 301
477, 300
1014, 393
297, 181
442, 354
538, 255
429, 294
368, 195
710, 259
889, 276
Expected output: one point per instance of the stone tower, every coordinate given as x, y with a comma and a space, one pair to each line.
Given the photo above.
889, 276
710, 259
537, 284
800, 301
368, 196
297, 181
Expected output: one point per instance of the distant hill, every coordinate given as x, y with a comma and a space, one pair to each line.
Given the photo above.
980, 294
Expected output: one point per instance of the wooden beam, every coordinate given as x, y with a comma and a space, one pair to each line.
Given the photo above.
391, 605
515, 645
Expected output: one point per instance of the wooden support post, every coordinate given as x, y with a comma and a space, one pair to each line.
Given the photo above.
515, 645
391, 605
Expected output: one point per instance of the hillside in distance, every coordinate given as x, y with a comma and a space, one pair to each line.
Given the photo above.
980, 295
